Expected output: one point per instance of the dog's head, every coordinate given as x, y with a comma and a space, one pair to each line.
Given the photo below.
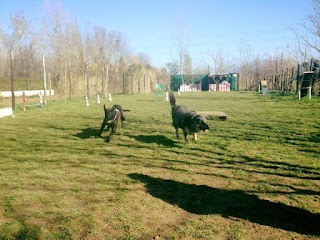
200, 123
110, 114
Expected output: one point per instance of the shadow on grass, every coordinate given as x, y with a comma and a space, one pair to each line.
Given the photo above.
158, 139
315, 138
87, 133
201, 199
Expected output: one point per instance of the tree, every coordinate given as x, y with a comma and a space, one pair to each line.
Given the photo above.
21, 41
245, 56
309, 41
173, 67
180, 42
57, 39
222, 62
187, 67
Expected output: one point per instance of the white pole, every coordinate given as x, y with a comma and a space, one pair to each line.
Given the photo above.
309, 92
98, 99
86, 101
167, 96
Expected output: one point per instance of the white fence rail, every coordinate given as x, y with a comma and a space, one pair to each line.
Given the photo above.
4, 112
28, 93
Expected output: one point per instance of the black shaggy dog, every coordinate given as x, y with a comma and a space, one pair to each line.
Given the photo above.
189, 121
112, 116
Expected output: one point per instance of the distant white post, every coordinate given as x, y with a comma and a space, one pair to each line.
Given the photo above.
86, 101
309, 92
98, 99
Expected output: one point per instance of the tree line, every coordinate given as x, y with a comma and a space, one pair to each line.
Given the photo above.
97, 61
94, 61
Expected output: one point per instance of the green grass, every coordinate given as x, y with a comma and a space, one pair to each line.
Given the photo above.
254, 176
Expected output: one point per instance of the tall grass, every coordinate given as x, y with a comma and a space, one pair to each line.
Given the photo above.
254, 176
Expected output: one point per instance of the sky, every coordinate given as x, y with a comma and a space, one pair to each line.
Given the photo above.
213, 26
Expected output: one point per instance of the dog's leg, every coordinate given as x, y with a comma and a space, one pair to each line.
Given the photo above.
177, 133
122, 117
186, 140
113, 131
195, 136
101, 129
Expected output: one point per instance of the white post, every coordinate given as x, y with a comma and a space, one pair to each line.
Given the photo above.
41, 102
86, 101
98, 99
309, 92
299, 94
167, 96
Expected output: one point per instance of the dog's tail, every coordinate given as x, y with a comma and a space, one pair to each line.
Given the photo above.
172, 99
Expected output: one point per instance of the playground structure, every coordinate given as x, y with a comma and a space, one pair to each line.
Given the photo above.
305, 86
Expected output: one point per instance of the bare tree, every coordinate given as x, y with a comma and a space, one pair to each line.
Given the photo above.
308, 41
245, 57
180, 42
173, 67
101, 58
187, 67
57, 39
222, 62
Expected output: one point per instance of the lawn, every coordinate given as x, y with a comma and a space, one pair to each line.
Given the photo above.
254, 176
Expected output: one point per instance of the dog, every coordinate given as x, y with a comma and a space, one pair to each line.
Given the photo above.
112, 117
189, 121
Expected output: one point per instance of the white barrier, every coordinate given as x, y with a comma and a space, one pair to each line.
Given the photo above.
4, 112
190, 88
27, 93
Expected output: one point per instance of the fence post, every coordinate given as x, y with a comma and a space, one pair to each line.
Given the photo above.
44, 81
13, 98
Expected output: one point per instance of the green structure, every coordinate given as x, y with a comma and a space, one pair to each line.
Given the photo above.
233, 81
177, 80
205, 80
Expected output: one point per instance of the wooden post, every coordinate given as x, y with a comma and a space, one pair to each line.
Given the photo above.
44, 80
102, 83
107, 77
87, 79
123, 84
50, 85
298, 78
144, 83
70, 80
13, 99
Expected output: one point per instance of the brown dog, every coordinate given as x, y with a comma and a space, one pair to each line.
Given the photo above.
189, 121
112, 117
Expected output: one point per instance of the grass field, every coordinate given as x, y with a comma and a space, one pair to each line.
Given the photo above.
254, 176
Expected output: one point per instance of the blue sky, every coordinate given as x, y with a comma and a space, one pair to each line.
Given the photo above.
213, 25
